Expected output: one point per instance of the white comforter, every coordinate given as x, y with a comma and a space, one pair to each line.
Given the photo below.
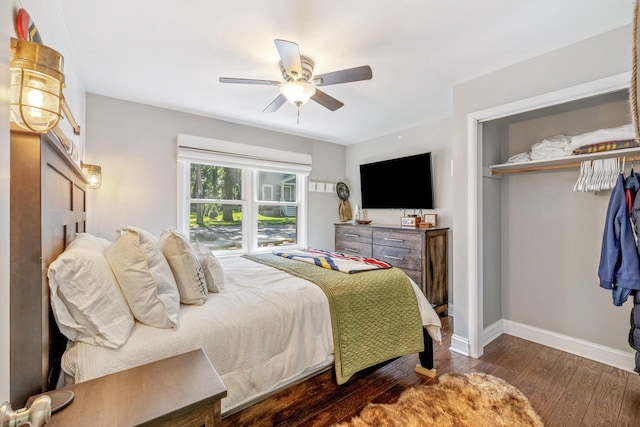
264, 330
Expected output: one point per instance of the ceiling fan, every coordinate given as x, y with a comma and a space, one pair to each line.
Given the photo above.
300, 83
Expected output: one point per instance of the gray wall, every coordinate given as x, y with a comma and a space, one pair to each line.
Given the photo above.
502, 216
136, 146
493, 136
553, 235
434, 137
602, 56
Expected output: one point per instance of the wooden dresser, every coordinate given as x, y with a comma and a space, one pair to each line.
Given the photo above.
183, 390
419, 252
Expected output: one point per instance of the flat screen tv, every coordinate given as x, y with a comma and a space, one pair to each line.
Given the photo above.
402, 183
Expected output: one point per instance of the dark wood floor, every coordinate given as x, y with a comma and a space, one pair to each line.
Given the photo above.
565, 389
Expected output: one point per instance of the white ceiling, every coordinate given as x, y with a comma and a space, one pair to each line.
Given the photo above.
170, 53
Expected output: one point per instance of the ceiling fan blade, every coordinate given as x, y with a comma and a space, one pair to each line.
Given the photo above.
290, 55
249, 81
344, 76
275, 104
327, 101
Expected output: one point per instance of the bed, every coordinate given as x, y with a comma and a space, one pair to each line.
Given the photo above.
268, 334
264, 330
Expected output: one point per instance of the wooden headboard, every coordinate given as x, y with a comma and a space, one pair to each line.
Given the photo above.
47, 209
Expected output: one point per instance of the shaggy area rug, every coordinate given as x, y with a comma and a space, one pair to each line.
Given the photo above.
457, 400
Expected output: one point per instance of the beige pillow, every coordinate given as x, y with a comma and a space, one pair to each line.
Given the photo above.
185, 267
85, 297
213, 272
145, 278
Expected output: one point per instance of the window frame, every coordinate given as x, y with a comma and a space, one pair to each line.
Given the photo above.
261, 160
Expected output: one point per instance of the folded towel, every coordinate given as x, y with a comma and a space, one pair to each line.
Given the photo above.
620, 133
551, 147
519, 158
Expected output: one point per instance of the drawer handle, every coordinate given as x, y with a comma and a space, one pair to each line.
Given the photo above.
394, 257
389, 239
353, 251
351, 235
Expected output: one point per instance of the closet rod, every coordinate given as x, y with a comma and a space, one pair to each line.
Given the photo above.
575, 165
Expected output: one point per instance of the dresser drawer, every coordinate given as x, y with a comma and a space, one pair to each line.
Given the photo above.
398, 239
405, 258
353, 233
351, 247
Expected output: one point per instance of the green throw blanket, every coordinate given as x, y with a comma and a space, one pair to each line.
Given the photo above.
374, 314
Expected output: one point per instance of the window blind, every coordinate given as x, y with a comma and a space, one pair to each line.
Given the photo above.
196, 149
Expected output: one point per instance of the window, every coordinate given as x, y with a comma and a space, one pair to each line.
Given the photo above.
216, 206
235, 203
277, 214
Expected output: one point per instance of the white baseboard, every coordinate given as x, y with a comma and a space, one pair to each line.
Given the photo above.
607, 355
460, 345
492, 332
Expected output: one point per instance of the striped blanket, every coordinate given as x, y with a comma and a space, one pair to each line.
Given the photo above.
334, 260
606, 146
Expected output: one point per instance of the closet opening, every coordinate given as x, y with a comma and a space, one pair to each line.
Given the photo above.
534, 262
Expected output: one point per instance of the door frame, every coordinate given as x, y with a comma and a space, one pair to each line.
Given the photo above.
476, 341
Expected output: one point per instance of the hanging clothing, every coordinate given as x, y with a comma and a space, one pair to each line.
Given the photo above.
619, 268
634, 332
635, 217
631, 186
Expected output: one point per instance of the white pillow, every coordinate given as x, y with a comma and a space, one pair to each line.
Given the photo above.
213, 272
185, 267
85, 297
145, 278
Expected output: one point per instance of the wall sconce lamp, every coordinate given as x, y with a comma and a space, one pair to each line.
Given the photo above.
36, 85
94, 175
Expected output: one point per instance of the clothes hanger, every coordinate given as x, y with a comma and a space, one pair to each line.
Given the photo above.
578, 184
597, 175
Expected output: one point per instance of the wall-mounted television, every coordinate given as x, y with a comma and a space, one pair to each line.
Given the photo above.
401, 183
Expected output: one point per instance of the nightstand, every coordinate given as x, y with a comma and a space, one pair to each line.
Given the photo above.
183, 390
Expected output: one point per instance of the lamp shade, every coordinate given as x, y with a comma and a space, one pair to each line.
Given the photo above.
36, 85
297, 92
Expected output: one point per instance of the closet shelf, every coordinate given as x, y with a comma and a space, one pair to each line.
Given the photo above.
569, 162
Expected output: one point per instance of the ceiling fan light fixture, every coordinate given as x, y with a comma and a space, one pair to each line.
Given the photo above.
299, 81
297, 92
